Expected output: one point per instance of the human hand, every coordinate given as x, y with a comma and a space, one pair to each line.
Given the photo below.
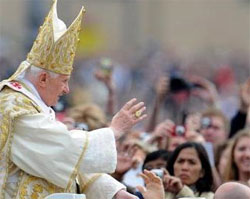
129, 115
122, 194
192, 126
162, 88
105, 78
172, 184
193, 121
154, 187
245, 96
208, 91
125, 158
164, 129
162, 132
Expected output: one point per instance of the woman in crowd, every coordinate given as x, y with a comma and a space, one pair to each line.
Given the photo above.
238, 167
190, 174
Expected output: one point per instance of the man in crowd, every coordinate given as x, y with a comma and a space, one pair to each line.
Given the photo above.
232, 190
39, 156
214, 126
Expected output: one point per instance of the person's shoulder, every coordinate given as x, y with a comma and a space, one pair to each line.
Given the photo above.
208, 195
13, 101
169, 195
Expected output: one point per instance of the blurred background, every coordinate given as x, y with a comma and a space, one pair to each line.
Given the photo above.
144, 39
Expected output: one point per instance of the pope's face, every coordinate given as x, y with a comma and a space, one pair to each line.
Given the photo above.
56, 87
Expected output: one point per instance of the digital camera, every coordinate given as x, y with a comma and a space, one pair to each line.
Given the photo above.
206, 122
178, 84
179, 130
158, 172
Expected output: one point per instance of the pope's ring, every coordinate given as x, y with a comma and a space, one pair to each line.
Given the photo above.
138, 113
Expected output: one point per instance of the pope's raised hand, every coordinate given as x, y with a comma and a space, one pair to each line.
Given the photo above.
129, 115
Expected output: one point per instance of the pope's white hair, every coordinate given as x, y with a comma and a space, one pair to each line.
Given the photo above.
33, 72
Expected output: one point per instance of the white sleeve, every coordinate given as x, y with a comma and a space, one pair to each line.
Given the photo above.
101, 186
45, 148
101, 152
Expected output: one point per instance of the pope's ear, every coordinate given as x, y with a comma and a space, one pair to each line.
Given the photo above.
43, 79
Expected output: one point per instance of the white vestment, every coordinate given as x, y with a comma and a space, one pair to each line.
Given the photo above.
45, 157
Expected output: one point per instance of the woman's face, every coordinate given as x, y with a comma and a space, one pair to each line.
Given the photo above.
242, 154
188, 166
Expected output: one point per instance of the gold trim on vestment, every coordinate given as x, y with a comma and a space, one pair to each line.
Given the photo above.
86, 185
75, 171
21, 105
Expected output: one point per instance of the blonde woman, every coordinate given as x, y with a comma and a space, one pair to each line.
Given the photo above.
238, 167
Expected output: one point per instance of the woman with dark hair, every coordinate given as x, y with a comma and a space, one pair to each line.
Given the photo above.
190, 173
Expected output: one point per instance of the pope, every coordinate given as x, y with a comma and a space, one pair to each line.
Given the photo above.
39, 156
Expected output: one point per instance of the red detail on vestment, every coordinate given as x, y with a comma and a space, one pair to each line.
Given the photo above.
16, 85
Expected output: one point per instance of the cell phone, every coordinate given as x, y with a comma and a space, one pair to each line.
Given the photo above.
158, 172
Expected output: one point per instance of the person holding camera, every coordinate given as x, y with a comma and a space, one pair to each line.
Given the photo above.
190, 173
168, 135
214, 126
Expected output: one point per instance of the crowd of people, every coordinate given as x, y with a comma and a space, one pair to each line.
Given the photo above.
188, 159
173, 151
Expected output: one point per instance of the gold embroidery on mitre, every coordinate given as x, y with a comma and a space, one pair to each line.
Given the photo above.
52, 53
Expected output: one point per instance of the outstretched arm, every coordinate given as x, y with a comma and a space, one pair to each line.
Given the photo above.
45, 148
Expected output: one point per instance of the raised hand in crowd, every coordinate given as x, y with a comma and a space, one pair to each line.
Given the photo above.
154, 187
192, 125
207, 90
245, 100
245, 96
242, 117
192, 121
104, 75
129, 115
161, 89
161, 133
168, 135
